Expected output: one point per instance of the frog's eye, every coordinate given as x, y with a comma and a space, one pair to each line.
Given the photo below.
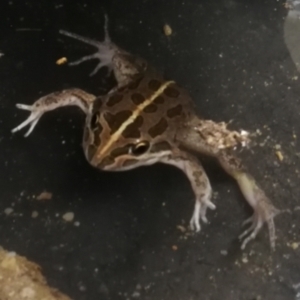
139, 148
94, 120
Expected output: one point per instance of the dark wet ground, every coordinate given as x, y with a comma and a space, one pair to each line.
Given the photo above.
232, 57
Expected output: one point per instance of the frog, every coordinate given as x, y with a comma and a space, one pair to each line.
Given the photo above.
146, 119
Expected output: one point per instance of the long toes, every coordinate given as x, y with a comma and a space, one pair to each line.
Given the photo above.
252, 226
203, 214
98, 67
204, 219
32, 120
247, 221
23, 124
252, 235
83, 59
80, 38
31, 127
24, 106
210, 205
195, 225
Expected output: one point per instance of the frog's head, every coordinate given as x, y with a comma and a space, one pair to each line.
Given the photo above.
128, 147
121, 134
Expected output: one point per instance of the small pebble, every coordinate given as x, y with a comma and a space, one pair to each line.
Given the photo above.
167, 30
136, 294
44, 196
82, 288
224, 252
295, 245
61, 61
8, 211
68, 217
279, 155
34, 214
245, 260
181, 228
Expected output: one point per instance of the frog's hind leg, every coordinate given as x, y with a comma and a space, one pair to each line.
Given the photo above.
200, 184
52, 101
264, 212
105, 53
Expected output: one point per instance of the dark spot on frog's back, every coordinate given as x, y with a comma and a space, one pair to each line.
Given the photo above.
132, 130
135, 83
151, 108
106, 161
97, 104
174, 111
158, 128
171, 92
154, 85
52, 98
114, 121
114, 99
161, 146
137, 98
119, 151
159, 100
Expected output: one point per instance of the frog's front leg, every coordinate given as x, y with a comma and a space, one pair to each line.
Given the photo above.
199, 181
126, 67
52, 101
264, 210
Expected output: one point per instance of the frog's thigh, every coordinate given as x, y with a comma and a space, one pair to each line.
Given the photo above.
200, 184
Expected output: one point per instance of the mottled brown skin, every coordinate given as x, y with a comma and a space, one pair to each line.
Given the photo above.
146, 119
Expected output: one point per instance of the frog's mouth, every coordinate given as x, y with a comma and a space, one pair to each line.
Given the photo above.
127, 162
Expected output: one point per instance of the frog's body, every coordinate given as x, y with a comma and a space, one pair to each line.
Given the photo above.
147, 119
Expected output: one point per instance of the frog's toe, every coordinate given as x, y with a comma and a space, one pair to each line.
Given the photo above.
100, 65
84, 58
252, 231
262, 215
32, 119
200, 214
104, 61
247, 221
194, 222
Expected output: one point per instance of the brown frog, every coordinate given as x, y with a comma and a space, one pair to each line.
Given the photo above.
146, 119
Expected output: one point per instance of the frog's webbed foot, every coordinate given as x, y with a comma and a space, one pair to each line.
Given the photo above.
264, 211
52, 101
199, 213
200, 184
32, 119
105, 53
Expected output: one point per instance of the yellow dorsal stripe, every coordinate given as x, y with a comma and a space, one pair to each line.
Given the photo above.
131, 119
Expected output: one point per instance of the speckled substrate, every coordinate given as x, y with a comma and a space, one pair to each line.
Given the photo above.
117, 236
